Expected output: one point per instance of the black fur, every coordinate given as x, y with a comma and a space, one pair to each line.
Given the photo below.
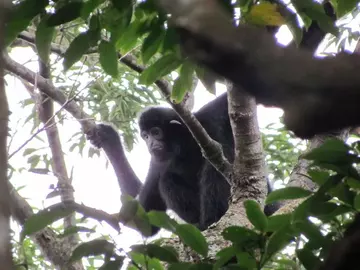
187, 183
179, 178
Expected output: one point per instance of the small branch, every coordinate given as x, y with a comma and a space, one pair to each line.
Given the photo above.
54, 93
27, 141
299, 176
56, 250
96, 214
211, 149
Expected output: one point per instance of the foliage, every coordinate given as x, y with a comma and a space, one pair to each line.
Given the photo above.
310, 225
282, 151
90, 38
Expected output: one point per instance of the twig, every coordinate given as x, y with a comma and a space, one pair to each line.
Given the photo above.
27, 141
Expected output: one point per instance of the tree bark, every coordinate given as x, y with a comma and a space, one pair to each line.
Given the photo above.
5, 246
289, 78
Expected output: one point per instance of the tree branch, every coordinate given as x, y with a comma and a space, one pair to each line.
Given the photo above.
212, 149
6, 258
96, 214
249, 164
289, 78
87, 123
46, 115
55, 249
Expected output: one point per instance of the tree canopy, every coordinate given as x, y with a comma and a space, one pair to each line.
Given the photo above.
106, 60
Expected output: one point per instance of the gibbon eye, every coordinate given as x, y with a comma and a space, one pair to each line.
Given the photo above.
157, 133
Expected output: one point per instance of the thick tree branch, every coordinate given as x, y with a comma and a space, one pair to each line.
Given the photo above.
55, 249
288, 78
6, 258
47, 117
249, 164
299, 176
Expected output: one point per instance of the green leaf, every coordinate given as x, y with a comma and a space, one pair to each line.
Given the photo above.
78, 47
312, 232
345, 6
207, 78
323, 208
43, 37
183, 83
164, 254
242, 236
108, 58
293, 25
327, 217
353, 183
34, 160
277, 241
357, 202
162, 220
21, 17
125, 7
256, 215
288, 193
133, 215
180, 266
308, 259
319, 177
188, 266
192, 237
160, 68
286, 262
332, 151
316, 12
75, 229
65, 14
223, 256
43, 218
152, 44
245, 260
92, 248
277, 221
29, 151
128, 39
128, 210
343, 193
113, 265
148, 263
94, 24
170, 41
302, 210
332, 182
88, 7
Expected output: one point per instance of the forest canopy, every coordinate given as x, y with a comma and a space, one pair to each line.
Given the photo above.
70, 65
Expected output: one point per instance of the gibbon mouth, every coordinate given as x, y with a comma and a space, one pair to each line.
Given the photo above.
157, 148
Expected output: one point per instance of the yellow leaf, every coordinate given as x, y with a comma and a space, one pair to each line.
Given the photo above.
264, 13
